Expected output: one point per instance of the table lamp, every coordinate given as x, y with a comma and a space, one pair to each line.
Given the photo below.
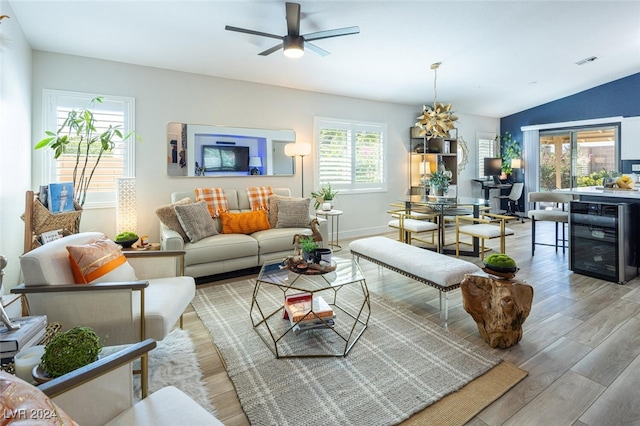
255, 162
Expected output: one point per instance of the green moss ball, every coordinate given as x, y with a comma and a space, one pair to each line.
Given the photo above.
501, 260
70, 350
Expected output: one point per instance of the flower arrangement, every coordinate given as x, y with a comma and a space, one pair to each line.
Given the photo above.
325, 193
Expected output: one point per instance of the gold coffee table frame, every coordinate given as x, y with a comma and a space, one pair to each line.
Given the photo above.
352, 318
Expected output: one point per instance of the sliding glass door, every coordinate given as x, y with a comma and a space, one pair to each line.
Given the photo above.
577, 157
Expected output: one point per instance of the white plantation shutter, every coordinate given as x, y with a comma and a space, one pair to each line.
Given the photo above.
486, 148
116, 111
351, 155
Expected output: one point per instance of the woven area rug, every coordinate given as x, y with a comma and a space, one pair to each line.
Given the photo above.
401, 364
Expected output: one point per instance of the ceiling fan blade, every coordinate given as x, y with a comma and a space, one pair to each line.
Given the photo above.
271, 50
293, 19
331, 33
246, 31
316, 49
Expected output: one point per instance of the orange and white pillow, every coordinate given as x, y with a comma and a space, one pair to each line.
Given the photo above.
215, 198
259, 197
100, 261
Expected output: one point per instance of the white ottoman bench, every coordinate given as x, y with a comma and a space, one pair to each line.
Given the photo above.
437, 270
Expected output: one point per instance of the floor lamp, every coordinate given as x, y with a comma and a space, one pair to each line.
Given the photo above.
298, 149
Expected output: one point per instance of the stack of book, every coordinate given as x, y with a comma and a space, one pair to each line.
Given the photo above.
306, 311
32, 330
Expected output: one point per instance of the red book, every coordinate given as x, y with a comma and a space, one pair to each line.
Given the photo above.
298, 307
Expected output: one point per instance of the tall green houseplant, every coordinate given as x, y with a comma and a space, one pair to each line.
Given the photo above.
510, 151
78, 136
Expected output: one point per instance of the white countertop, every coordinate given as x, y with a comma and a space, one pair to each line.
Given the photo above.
599, 191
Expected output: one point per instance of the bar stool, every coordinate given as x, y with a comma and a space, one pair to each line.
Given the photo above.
558, 212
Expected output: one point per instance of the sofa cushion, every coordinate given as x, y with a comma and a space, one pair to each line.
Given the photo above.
293, 213
259, 197
220, 247
244, 223
215, 198
277, 239
99, 261
273, 208
167, 215
196, 221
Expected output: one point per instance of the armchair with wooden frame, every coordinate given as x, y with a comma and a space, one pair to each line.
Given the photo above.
119, 312
101, 394
488, 226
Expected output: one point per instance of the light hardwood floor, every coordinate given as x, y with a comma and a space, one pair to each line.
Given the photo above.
581, 343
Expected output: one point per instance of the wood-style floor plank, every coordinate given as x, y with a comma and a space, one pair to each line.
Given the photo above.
581, 343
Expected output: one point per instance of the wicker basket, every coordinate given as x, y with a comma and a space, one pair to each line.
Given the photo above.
45, 221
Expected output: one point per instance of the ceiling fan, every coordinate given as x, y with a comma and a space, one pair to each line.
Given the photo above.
293, 43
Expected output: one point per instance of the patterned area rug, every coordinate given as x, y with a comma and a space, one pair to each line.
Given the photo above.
401, 364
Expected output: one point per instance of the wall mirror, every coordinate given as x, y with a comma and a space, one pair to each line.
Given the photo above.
216, 151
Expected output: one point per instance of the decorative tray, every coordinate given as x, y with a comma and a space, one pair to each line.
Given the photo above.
310, 268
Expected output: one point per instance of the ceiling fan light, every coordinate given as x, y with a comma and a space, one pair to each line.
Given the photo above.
293, 46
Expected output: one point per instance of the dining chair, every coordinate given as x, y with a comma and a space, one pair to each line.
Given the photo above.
486, 227
556, 210
411, 224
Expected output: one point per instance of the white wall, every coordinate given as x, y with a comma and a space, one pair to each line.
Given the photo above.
15, 139
164, 96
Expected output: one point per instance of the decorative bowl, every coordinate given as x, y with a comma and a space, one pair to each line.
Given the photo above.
503, 269
127, 243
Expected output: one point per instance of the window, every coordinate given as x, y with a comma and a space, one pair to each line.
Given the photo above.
487, 147
116, 111
351, 156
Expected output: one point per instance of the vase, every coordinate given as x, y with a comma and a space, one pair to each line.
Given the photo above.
436, 191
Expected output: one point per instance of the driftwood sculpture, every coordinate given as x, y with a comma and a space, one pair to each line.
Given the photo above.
498, 306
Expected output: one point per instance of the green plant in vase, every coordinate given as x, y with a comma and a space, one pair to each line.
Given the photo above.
439, 182
308, 246
324, 194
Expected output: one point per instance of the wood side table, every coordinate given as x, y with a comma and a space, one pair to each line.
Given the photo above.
334, 217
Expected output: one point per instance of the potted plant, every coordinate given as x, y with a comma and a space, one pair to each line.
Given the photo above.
78, 136
439, 182
309, 246
510, 151
324, 194
69, 351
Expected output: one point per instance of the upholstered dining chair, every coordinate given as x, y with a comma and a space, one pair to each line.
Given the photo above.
556, 210
123, 306
486, 227
411, 225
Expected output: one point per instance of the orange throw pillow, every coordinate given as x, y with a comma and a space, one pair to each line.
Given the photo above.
99, 262
244, 223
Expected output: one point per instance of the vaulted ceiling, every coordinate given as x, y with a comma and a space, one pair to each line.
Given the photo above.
498, 57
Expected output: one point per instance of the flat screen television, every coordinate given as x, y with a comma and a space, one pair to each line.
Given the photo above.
492, 166
223, 158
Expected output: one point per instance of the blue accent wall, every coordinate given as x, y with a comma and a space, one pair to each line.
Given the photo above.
617, 98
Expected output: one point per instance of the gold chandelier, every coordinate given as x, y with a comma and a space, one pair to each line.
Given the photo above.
438, 120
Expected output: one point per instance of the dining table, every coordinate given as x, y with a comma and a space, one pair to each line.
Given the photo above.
445, 206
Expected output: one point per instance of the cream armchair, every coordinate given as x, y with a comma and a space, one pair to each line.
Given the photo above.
119, 312
101, 393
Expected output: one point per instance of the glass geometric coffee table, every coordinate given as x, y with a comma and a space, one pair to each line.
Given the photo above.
344, 289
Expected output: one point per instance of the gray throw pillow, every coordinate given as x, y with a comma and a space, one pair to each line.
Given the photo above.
273, 208
167, 215
293, 213
196, 220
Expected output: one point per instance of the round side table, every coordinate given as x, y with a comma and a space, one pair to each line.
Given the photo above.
334, 217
